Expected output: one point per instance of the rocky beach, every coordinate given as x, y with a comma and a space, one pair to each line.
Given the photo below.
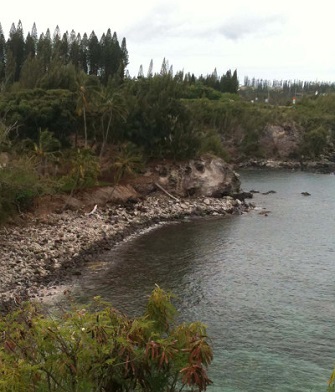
51, 246
43, 253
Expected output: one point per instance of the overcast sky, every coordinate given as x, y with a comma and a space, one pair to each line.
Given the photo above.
283, 39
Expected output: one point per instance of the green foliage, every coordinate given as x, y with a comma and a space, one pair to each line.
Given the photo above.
19, 185
33, 109
331, 382
44, 151
236, 123
83, 170
96, 348
127, 161
158, 121
314, 142
211, 143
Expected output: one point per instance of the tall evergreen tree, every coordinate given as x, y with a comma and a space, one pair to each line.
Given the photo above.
74, 49
2, 55
56, 43
30, 47
44, 49
116, 57
234, 83
94, 54
124, 53
140, 74
84, 58
64, 48
34, 32
164, 67
150, 69
16, 46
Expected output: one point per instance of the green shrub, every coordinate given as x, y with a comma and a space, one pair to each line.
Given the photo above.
211, 143
314, 142
19, 185
96, 348
83, 170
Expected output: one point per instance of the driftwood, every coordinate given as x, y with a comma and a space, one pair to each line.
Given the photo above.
166, 192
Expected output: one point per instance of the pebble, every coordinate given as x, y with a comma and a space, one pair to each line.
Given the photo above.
40, 252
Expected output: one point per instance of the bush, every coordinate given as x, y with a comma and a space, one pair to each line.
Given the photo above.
83, 172
96, 348
19, 185
314, 142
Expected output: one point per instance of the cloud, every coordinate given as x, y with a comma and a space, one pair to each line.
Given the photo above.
239, 28
161, 21
165, 21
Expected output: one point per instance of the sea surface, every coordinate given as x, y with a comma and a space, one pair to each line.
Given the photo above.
263, 283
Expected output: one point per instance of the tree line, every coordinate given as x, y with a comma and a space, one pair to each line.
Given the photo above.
28, 60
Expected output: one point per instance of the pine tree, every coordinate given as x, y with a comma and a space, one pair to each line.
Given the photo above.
44, 49
140, 74
83, 52
150, 69
94, 54
124, 54
30, 47
16, 48
2, 55
74, 49
234, 83
56, 43
64, 48
164, 67
34, 32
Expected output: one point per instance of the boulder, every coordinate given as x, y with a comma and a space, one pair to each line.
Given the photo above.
281, 140
208, 176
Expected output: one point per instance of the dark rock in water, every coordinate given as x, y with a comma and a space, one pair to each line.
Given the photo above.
253, 191
268, 192
305, 193
243, 195
265, 213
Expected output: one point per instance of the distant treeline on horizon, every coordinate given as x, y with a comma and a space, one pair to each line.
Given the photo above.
33, 61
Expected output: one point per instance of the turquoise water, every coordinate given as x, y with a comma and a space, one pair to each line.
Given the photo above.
264, 285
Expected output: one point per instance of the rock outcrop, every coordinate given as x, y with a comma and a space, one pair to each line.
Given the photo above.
208, 176
281, 141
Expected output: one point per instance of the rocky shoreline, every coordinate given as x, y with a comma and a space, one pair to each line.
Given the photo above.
43, 253
324, 166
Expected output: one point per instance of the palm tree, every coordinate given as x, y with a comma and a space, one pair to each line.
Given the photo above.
85, 87
113, 107
82, 101
128, 160
46, 147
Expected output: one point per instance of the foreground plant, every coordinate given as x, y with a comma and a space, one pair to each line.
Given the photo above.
99, 349
331, 382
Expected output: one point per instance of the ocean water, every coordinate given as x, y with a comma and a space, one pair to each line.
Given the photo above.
263, 284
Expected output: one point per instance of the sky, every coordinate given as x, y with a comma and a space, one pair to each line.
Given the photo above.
283, 39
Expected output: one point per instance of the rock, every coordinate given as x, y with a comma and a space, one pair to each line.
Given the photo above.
305, 193
243, 195
266, 212
283, 139
268, 192
211, 177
